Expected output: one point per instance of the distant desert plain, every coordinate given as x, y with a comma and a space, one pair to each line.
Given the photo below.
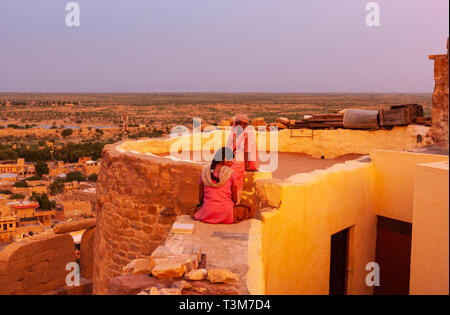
30, 117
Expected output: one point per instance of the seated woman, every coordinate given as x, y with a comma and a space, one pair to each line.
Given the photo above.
218, 192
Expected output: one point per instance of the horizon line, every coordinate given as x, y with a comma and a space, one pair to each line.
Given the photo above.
214, 92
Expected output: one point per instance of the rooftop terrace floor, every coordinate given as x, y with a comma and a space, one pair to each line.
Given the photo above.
294, 163
225, 245
431, 149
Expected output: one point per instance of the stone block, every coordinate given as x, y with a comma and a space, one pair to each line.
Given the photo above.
191, 263
196, 275
222, 276
169, 291
257, 122
206, 288
144, 266
154, 291
169, 270
130, 284
226, 123
132, 214
74, 226
182, 228
160, 291
283, 120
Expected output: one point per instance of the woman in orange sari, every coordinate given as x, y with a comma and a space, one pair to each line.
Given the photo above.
242, 141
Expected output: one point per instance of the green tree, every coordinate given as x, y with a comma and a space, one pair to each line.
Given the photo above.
57, 187
66, 132
44, 202
17, 196
33, 178
41, 168
93, 177
21, 184
99, 131
8, 154
75, 176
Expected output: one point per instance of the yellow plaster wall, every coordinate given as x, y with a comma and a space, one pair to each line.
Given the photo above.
335, 143
36, 229
395, 173
25, 212
430, 238
317, 143
74, 208
255, 276
296, 239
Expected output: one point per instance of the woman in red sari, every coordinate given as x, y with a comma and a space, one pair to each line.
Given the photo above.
218, 190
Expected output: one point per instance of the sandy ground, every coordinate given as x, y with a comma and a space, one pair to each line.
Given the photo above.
294, 163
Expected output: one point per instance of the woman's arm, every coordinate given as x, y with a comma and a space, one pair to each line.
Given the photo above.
201, 195
234, 194
247, 155
246, 151
247, 164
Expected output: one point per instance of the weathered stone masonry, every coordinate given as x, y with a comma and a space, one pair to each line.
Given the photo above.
36, 264
440, 122
139, 197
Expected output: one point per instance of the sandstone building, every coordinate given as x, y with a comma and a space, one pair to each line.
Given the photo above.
373, 209
17, 167
22, 217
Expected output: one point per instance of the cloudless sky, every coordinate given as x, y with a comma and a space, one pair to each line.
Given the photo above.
220, 46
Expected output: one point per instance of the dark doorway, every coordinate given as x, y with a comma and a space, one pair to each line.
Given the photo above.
338, 263
393, 255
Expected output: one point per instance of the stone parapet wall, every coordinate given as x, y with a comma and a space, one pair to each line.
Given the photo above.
36, 264
316, 143
331, 144
87, 253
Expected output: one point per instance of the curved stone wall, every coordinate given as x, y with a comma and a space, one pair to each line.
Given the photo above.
139, 197
316, 143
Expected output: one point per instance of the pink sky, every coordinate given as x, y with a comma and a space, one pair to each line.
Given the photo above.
221, 46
